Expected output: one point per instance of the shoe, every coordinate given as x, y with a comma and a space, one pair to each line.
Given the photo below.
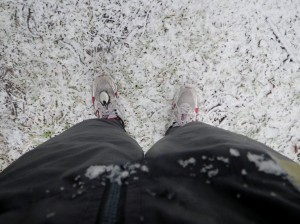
185, 106
105, 98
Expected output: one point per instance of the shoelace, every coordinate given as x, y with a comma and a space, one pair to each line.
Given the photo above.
185, 113
110, 113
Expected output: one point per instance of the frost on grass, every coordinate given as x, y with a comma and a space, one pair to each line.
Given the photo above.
265, 165
185, 163
244, 61
234, 152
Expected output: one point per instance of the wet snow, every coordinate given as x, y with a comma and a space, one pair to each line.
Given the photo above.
115, 173
234, 152
185, 163
265, 165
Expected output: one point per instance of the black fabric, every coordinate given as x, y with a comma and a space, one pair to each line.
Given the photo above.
189, 176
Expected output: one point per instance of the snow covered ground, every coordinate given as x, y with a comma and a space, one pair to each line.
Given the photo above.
243, 55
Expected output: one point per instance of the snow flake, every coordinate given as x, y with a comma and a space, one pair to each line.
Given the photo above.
114, 173
144, 168
268, 166
185, 163
234, 152
244, 172
205, 168
223, 159
94, 171
212, 173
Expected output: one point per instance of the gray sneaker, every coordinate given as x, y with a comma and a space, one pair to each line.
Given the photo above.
105, 98
185, 106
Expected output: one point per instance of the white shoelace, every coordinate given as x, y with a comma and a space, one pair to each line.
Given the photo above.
185, 114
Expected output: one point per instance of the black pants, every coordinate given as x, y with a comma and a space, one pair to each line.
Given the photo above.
96, 173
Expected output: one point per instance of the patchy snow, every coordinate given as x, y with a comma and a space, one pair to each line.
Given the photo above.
206, 167
223, 159
265, 165
114, 173
94, 171
243, 55
185, 163
234, 152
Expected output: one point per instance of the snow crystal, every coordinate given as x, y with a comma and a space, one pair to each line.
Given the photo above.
212, 173
234, 152
185, 163
124, 174
267, 166
244, 172
223, 159
206, 167
94, 171
114, 172
144, 168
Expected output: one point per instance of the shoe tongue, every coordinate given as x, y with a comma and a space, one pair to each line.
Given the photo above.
185, 108
104, 98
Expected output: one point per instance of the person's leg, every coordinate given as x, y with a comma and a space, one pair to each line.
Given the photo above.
91, 142
198, 136
201, 173
72, 177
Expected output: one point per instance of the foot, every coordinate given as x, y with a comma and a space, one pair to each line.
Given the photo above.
105, 98
185, 106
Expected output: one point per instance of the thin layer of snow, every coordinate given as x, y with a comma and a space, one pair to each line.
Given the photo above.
243, 55
265, 165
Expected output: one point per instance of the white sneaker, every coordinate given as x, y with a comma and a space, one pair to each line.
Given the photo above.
105, 98
185, 106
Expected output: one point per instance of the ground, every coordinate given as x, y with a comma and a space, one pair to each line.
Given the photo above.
242, 55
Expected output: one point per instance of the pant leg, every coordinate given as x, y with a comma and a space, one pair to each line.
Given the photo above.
203, 174
49, 183
91, 142
197, 136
